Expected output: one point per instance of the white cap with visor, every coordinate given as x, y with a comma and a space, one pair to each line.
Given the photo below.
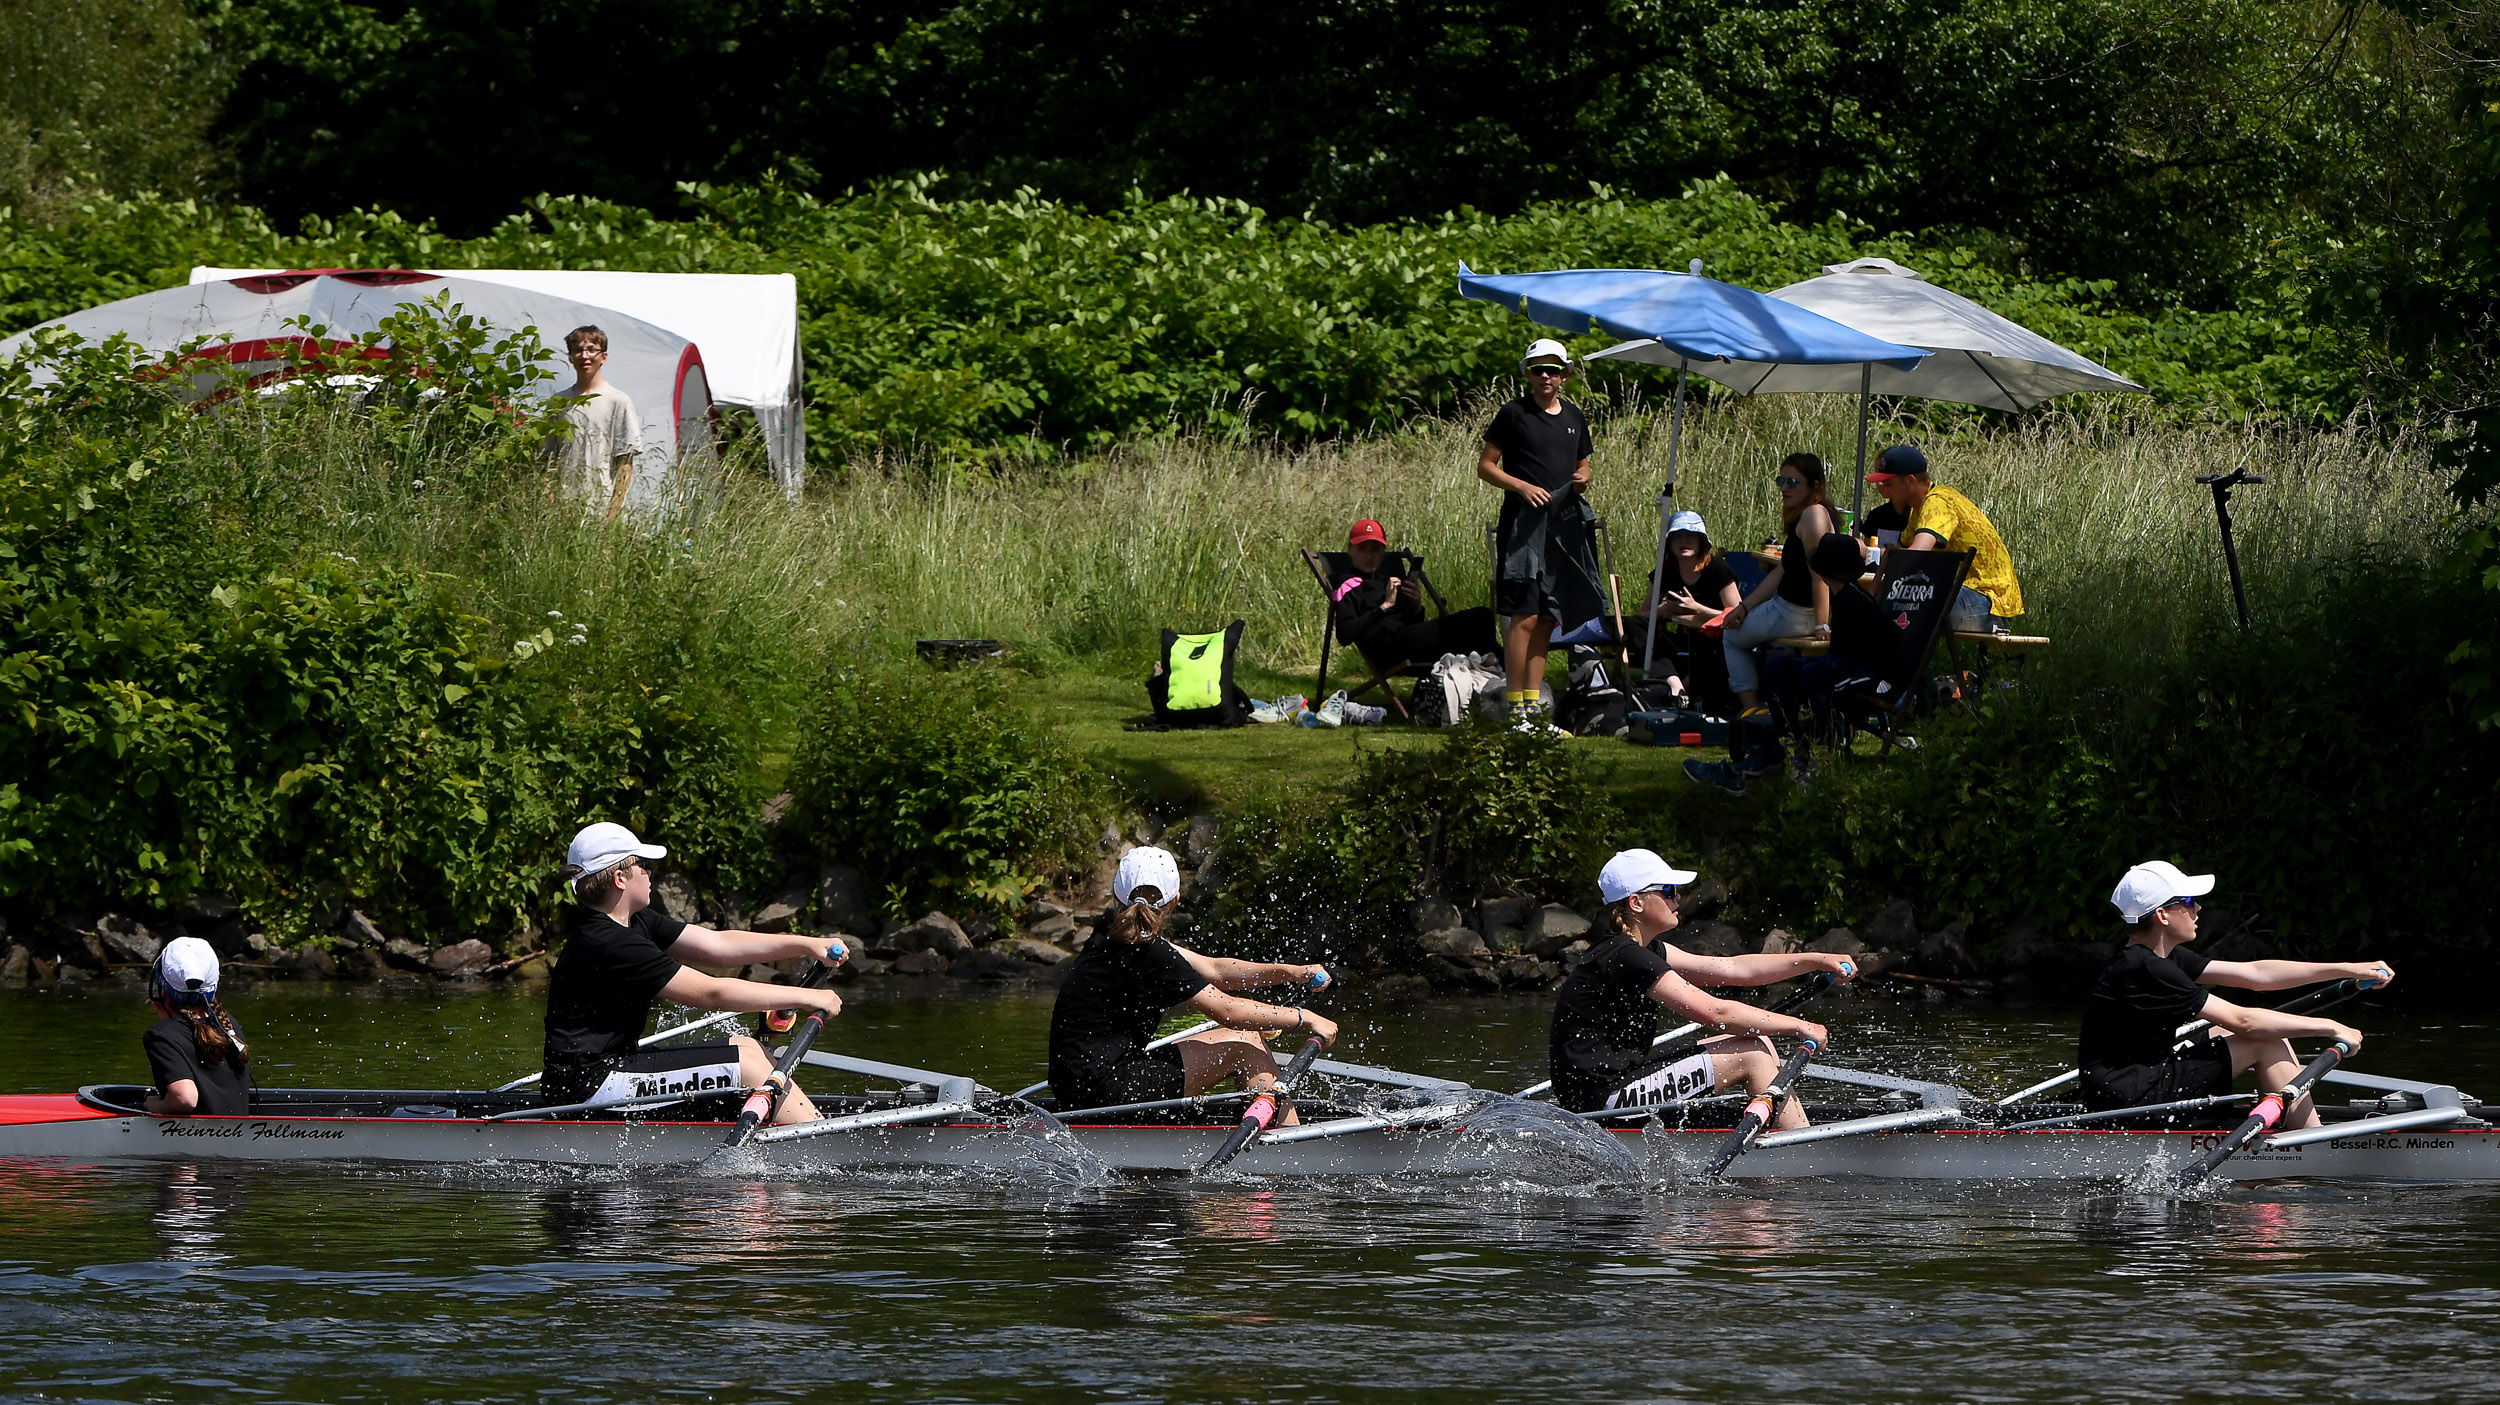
2149, 887
1545, 349
1638, 871
1148, 867
186, 971
605, 845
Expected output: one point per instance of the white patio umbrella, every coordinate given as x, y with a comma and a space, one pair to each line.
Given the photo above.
1978, 357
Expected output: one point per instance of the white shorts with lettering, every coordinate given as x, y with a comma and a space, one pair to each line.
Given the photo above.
1686, 1078
627, 1085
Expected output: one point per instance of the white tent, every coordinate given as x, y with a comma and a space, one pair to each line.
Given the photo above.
746, 324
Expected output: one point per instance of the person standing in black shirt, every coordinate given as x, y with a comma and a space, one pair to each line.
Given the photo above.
1606, 1014
1128, 975
196, 1057
621, 953
2127, 1051
1537, 452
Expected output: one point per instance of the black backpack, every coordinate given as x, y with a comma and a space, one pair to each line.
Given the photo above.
1592, 706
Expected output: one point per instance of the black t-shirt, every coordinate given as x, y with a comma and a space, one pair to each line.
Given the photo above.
1706, 588
1604, 1020
1796, 576
1115, 995
1882, 518
174, 1055
2135, 1009
1537, 447
604, 984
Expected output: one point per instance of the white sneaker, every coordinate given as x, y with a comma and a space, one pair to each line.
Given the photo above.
1365, 715
1332, 712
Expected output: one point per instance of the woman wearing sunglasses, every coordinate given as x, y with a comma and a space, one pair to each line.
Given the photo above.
2131, 1053
1791, 600
1606, 1016
1126, 978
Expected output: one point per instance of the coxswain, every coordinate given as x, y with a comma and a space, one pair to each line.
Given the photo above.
1606, 1018
1127, 977
620, 953
196, 1056
2129, 1053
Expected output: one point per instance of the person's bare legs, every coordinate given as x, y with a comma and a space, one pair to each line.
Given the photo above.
1524, 649
754, 1066
2276, 1066
1239, 1054
1750, 1060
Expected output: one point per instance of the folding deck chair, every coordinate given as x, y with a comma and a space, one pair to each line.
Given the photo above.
1922, 585
1332, 569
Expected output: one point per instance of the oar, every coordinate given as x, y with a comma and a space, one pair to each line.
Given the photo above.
766, 1100
2269, 1111
674, 1031
1761, 1110
1821, 981
1262, 1108
2323, 997
1175, 1037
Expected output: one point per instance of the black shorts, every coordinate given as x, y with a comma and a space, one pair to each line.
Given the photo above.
698, 1069
2203, 1070
1147, 1076
1515, 598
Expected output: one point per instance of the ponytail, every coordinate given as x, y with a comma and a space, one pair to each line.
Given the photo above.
214, 1034
1139, 921
1619, 912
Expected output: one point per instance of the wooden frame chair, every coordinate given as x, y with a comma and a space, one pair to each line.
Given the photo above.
1322, 563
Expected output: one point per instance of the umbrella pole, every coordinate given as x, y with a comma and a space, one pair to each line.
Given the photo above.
1666, 510
1857, 490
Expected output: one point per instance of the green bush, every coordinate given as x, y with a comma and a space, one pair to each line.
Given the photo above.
1490, 810
982, 329
938, 787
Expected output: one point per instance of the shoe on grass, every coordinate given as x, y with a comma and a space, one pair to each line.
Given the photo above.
1365, 714
1332, 712
1718, 773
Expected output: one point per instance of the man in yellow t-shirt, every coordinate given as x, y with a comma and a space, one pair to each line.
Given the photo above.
1941, 519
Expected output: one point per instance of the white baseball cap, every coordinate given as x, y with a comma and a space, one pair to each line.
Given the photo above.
604, 845
1638, 871
186, 971
1148, 867
2149, 885
1543, 347
1687, 521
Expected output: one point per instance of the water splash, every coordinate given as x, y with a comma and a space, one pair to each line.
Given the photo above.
1538, 1144
1031, 1148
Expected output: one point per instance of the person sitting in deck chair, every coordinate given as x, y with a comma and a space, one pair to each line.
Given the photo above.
1606, 1015
621, 953
2128, 1050
1940, 519
1380, 608
1128, 975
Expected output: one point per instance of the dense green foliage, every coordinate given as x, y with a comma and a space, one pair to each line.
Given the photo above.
192, 699
938, 787
119, 94
1490, 810
2315, 763
2148, 140
1022, 325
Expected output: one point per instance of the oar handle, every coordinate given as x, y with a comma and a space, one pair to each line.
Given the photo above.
779, 1021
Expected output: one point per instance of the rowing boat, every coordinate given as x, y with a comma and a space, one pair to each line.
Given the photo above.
1898, 1129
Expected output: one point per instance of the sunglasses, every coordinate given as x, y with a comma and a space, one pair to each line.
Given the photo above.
1549, 370
1787, 482
2189, 903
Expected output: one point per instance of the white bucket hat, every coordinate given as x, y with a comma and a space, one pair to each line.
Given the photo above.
2148, 886
1638, 871
186, 971
1148, 867
605, 845
1687, 521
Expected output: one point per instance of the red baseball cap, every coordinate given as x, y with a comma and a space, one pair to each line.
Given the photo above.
1367, 531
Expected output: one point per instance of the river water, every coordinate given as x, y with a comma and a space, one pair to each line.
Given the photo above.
351, 1284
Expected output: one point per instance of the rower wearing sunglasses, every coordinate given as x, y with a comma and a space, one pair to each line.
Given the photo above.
1606, 1019
621, 953
2131, 1052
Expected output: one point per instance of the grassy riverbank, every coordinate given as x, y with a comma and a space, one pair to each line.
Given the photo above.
336, 659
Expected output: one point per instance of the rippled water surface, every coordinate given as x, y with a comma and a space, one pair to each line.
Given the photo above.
192, 1283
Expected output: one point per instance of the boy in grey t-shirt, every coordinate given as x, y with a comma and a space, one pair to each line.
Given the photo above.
595, 457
